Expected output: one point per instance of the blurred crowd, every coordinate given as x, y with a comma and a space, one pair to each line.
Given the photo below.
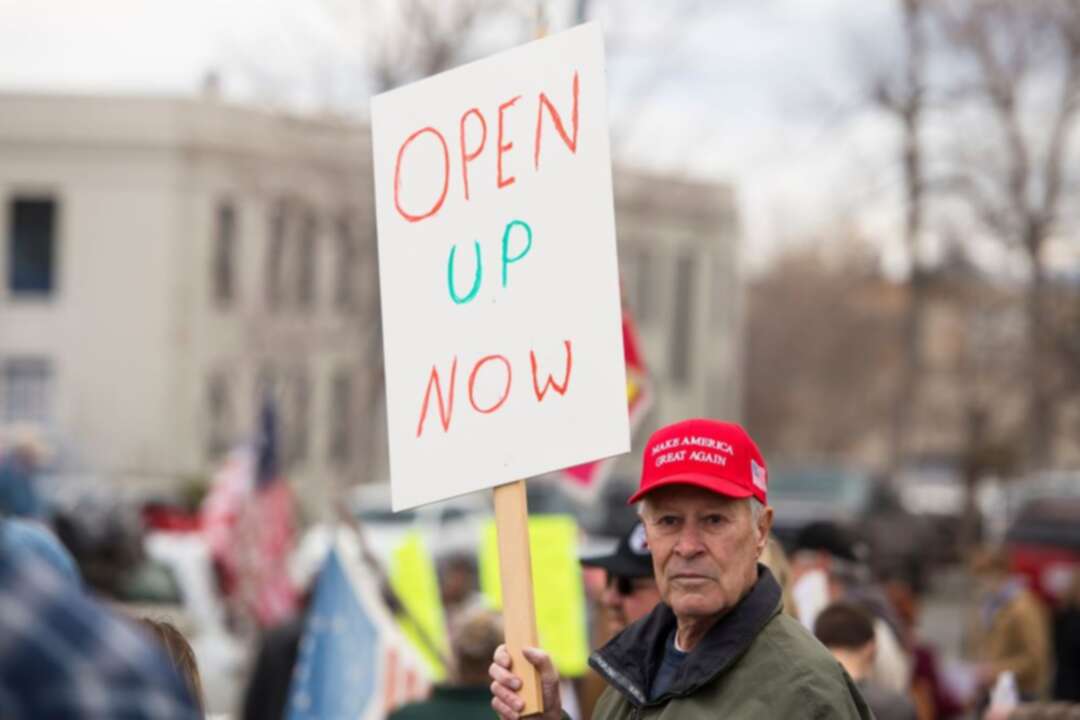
71, 650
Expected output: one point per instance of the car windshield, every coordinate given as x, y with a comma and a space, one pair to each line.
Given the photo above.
835, 487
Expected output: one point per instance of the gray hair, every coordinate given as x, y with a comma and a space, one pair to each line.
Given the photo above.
757, 509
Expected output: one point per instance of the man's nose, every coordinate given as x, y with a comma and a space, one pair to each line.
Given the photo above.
689, 542
610, 597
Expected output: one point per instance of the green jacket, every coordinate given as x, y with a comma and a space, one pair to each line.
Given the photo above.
448, 702
756, 662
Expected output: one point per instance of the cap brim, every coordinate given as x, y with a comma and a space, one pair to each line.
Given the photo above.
720, 486
621, 566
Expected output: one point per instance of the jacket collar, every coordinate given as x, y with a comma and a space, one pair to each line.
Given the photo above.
630, 661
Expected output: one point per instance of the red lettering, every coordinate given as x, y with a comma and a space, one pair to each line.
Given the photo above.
550, 382
467, 157
545, 102
446, 410
501, 148
397, 176
472, 382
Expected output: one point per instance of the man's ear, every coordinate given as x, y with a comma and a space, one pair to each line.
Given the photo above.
763, 528
870, 651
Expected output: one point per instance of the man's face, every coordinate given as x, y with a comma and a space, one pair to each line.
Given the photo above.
625, 600
704, 547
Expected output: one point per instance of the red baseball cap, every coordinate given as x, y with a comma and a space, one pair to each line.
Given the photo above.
717, 456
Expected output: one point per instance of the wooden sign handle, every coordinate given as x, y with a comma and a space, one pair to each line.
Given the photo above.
515, 568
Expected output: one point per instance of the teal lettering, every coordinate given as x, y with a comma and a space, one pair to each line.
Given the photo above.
506, 259
477, 276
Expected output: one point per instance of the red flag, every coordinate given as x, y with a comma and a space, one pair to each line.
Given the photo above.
588, 477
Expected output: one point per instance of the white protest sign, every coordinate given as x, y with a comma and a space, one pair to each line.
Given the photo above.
500, 294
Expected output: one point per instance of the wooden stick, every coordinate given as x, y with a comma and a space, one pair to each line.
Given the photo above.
515, 568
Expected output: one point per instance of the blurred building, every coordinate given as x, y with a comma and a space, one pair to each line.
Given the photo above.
168, 261
165, 263
677, 251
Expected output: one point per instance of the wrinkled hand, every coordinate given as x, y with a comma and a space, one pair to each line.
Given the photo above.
504, 685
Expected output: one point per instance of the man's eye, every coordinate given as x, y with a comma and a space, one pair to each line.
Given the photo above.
667, 520
715, 520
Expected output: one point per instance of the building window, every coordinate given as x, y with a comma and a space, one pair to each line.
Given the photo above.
219, 416
348, 256
341, 404
275, 255
27, 390
681, 323
306, 267
225, 249
32, 246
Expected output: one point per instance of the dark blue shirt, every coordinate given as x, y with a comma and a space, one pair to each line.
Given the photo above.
669, 668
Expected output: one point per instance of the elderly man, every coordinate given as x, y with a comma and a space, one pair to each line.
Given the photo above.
718, 645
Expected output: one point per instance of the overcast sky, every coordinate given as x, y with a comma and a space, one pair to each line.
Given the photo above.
759, 93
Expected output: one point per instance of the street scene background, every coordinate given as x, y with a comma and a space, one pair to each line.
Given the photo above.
849, 226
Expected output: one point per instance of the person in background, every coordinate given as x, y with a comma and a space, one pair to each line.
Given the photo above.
776, 560
179, 652
20, 459
459, 585
630, 591
1012, 630
847, 631
473, 639
629, 594
65, 656
1067, 643
825, 547
933, 700
33, 538
266, 696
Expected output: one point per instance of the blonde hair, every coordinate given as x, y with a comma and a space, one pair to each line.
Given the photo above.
180, 655
774, 558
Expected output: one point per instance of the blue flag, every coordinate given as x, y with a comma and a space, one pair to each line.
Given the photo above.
335, 672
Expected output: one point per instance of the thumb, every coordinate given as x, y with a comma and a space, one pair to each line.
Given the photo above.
549, 680
542, 662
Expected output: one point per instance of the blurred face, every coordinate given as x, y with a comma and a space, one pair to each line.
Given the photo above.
625, 600
705, 548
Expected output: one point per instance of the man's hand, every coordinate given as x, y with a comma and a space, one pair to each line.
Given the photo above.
504, 685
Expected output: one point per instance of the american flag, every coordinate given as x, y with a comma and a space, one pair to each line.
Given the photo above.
760, 475
248, 524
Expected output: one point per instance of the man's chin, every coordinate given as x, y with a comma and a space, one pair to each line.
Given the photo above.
689, 605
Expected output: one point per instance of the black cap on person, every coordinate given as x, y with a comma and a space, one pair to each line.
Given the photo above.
630, 558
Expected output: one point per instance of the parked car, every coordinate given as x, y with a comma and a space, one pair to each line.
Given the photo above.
1043, 544
895, 540
935, 491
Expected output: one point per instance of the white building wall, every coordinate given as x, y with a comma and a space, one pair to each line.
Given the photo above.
116, 226
132, 329
659, 221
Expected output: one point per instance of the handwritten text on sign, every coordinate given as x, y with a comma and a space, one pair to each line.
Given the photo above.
497, 264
